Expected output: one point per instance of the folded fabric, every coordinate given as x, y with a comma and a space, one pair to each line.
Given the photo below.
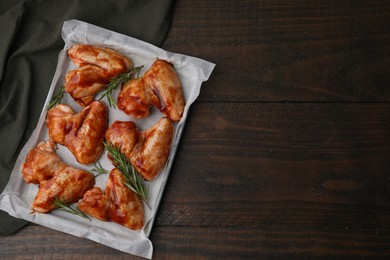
29, 48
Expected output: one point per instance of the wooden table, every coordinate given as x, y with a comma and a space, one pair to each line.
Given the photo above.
286, 153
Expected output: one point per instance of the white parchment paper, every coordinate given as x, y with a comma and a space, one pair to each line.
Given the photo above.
17, 197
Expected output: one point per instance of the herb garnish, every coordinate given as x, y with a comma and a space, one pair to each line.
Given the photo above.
119, 80
56, 99
99, 169
61, 204
133, 177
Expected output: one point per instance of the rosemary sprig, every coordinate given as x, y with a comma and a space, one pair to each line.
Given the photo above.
99, 169
61, 204
134, 179
56, 99
119, 80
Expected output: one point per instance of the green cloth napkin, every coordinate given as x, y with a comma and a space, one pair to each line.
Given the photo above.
30, 41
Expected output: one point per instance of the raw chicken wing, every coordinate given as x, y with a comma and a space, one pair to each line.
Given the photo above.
159, 86
68, 184
85, 82
108, 59
135, 99
55, 178
147, 151
96, 204
81, 133
119, 203
97, 66
41, 163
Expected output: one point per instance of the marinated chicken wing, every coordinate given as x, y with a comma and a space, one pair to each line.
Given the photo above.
85, 82
165, 83
147, 151
119, 203
108, 59
68, 184
96, 204
41, 163
81, 133
135, 99
151, 155
55, 178
159, 86
124, 135
97, 66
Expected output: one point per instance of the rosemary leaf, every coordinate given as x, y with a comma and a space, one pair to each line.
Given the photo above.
56, 99
72, 209
117, 81
134, 179
99, 169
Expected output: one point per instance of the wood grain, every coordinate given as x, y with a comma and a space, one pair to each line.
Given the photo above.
204, 243
288, 50
296, 165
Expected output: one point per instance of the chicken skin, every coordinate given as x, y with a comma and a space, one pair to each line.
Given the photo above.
165, 83
160, 86
97, 204
147, 151
55, 178
97, 66
118, 203
108, 59
41, 163
82, 133
85, 82
135, 99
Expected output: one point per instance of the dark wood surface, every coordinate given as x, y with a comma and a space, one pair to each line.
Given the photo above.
286, 152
